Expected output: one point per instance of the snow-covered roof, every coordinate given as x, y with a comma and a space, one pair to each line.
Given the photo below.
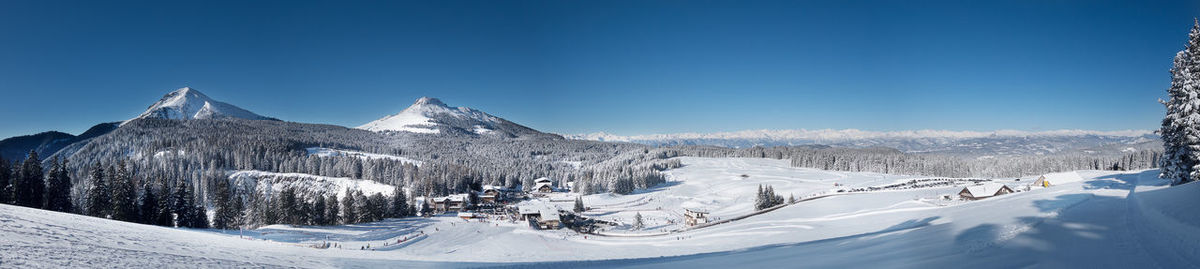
985, 190
542, 180
549, 214
490, 187
539, 185
1064, 177
452, 198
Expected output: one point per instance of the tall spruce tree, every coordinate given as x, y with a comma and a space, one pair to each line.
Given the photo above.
1180, 132
226, 213
29, 188
399, 205
99, 200
349, 212
58, 189
148, 206
6, 177
182, 205
124, 195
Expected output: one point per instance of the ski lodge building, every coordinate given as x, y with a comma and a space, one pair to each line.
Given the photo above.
984, 191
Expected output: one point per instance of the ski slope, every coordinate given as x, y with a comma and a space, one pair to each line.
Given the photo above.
1111, 219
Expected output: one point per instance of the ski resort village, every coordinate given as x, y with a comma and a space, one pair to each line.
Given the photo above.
617, 134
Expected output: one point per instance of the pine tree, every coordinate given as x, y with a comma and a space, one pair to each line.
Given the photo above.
182, 206
331, 210
1180, 161
6, 179
349, 212
318, 211
399, 205
58, 189
287, 206
148, 206
637, 221
199, 217
165, 215
759, 201
226, 213
579, 205
124, 197
99, 200
29, 188
378, 206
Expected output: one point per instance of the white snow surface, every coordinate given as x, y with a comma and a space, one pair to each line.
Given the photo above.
420, 118
1109, 220
328, 152
270, 183
187, 103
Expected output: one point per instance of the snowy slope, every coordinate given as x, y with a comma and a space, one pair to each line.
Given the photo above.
1109, 220
328, 152
430, 116
187, 103
269, 183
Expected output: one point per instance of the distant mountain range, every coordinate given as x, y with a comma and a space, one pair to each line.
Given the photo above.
426, 116
431, 117
996, 143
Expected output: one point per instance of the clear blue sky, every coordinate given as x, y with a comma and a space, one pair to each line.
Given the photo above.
625, 67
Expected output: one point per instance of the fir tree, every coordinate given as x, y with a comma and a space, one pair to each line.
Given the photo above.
148, 206
1180, 132
6, 178
331, 210
124, 197
399, 205
287, 206
58, 189
637, 221
226, 213
182, 205
318, 211
29, 187
99, 200
349, 212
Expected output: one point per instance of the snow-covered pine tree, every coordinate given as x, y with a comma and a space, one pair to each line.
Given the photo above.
399, 204
331, 210
181, 206
99, 200
638, 224
1180, 130
225, 214
124, 196
579, 205
349, 212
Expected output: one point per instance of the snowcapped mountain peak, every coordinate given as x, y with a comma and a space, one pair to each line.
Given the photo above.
429, 115
429, 101
188, 103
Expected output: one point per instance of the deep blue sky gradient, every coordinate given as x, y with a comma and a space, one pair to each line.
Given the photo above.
625, 67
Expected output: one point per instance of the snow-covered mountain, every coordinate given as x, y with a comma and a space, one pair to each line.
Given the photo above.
187, 103
430, 116
1002, 142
